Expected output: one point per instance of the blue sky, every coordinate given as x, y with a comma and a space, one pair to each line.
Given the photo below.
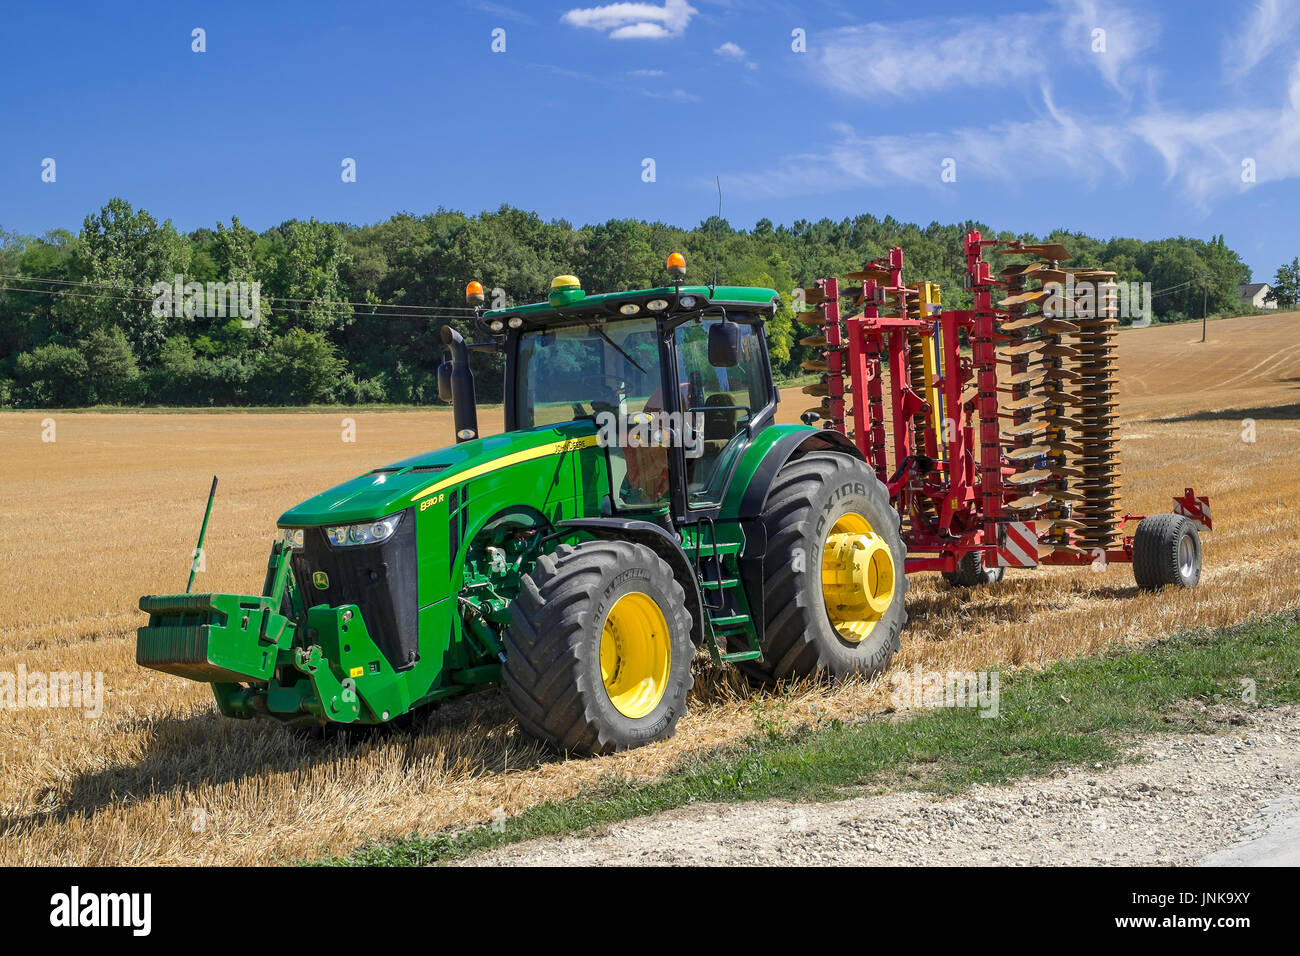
1145, 137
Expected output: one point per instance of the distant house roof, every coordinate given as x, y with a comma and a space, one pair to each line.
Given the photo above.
1251, 289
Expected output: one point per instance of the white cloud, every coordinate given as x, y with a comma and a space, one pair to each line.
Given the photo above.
676, 96
645, 72
731, 50
634, 21
1269, 25
1059, 152
917, 57
500, 10
1128, 36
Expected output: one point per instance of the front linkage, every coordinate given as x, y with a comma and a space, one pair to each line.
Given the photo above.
261, 663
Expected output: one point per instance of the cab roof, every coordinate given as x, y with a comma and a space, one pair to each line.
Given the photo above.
608, 304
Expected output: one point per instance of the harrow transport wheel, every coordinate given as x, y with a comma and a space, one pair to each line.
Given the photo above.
1166, 550
598, 651
971, 572
834, 581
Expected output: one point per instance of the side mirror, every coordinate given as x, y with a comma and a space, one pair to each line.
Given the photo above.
724, 344
444, 381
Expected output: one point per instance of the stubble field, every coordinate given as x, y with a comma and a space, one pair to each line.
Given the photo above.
109, 510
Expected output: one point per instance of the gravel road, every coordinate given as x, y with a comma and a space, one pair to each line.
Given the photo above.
1228, 797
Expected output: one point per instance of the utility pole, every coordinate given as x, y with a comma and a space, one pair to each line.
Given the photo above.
1205, 304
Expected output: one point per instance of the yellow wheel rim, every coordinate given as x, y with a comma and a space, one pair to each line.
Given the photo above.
857, 577
635, 654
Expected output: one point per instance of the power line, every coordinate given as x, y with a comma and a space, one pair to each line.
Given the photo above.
360, 308
267, 298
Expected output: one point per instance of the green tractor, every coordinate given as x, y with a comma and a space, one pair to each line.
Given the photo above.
641, 504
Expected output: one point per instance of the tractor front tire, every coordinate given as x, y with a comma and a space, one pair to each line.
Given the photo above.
971, 572
833, 572
599, 649
1166, 550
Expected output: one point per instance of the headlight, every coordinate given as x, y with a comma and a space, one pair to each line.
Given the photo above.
630, 308
687, 302
516, 322
293, 537
368, 532
496, 325
657, 305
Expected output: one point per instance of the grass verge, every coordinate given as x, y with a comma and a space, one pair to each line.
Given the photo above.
1074, 712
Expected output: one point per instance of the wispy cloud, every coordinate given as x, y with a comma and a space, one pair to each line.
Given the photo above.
1271, 24
500, 11
925, 56
1059, 150
733, 51
619, 83
634, 21
676, 96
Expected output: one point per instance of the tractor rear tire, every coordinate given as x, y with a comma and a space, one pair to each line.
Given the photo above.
599, 649
828, 519
971, 572
1166, 550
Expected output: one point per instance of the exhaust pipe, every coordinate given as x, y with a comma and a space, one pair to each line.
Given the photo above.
464, 408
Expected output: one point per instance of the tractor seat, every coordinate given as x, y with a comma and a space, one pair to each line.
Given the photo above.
720, 422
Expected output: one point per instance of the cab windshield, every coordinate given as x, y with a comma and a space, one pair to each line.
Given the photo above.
615, 378
570, 373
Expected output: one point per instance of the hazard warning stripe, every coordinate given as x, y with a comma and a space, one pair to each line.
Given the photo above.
1017, 545
1197, 509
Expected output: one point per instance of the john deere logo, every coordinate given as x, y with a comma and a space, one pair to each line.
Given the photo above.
321, 580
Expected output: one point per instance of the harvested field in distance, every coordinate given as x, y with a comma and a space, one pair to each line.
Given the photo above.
110, 510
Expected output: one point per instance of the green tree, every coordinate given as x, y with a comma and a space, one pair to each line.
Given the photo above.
122, 252
307, 271
1286, 285
174, 379
52, 376
112, 368
301, 368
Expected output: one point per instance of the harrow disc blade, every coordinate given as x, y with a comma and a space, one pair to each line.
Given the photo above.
1044, 250
1023, 298
1065, 524
1029, 453
1028, 503
1064, 494
1052, 350
1059, 327
1028, 478
1024, 378
1021, 348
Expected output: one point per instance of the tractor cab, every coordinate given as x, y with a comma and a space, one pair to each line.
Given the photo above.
675, 380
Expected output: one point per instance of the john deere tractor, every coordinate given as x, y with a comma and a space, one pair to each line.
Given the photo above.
641, 505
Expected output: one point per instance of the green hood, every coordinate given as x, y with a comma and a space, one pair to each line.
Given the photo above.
396, 487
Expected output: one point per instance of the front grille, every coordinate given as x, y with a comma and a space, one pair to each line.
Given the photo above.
380, 579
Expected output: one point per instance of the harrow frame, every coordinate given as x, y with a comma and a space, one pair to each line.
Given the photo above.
935, 440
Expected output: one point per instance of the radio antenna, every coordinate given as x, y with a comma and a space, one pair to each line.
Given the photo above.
717, 239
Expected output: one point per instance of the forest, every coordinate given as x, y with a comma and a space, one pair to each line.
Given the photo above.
350, 314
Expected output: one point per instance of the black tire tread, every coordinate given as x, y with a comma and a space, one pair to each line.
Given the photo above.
789, 650
1155, 550
544, 683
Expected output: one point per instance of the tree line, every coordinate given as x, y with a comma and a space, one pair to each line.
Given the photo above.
351, 314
